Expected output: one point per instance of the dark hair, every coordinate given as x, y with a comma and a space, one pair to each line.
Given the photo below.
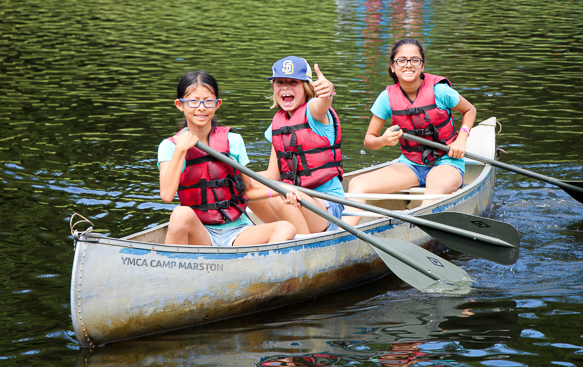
193, 79
406, 41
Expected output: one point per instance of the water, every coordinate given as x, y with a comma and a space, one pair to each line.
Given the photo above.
87, 90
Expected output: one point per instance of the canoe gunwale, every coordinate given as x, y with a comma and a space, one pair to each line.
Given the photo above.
120, 242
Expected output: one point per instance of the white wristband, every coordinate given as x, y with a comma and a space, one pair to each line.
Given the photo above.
465, 129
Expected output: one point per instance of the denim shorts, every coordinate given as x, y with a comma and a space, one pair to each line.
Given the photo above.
422, 171
225, 237
334, 209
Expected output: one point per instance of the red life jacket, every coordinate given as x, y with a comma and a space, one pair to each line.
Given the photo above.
422, 118
214, 190
305, 158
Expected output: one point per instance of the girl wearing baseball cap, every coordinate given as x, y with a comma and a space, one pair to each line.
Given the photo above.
305, 135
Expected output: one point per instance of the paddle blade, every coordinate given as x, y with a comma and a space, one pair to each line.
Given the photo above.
452, 279
489, 227
575, 194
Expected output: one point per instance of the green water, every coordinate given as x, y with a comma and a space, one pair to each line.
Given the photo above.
86, 96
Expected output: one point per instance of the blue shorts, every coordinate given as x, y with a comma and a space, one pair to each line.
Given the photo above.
422, 171
225, 237
334, 209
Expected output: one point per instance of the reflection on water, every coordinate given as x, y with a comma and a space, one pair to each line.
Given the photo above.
87, 90
377, 330
373, 328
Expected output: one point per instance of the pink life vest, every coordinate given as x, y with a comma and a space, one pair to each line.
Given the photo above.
305, 158
422, 118
214, 190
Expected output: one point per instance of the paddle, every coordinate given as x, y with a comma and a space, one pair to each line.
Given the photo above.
413, 264
573, 188
481, 237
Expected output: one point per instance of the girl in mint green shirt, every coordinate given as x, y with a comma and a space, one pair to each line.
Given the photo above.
197, 98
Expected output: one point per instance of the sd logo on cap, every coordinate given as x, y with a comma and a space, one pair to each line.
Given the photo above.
292, 67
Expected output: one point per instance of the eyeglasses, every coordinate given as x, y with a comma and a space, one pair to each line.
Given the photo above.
415, 61
194, 103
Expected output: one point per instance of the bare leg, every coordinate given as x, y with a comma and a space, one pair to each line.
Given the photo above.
266, 233
382, 181
303, 219
443, 179
262, 210
186, 229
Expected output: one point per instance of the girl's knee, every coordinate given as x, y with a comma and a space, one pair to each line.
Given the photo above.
356, 185
182, 216
276, 204
287, 228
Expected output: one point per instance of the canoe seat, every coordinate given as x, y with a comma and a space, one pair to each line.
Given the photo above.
402, 200
301, 236
411, 194
363, 214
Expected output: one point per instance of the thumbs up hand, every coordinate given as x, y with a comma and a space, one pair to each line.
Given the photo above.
322, 86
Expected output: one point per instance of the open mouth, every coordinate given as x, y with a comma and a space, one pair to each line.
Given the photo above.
287, 98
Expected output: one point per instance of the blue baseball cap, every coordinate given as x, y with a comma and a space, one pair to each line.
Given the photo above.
292, 67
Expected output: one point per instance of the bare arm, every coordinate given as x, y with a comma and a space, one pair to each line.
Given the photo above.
373, 141
170, 171
257, 191
324, 89
457, 148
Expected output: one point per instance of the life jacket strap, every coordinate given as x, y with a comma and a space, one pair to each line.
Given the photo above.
290, 130
203, 184
416, 111
203, 159
224, 204
218, 205
300, 155
295, 175
427, 152
290, 154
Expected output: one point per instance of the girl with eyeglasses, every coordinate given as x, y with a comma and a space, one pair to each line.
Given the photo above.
420, 104
305, 135
213, 196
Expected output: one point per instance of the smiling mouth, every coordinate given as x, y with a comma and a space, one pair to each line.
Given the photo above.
287, 98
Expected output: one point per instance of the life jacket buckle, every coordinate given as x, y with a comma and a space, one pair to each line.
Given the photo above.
414, 111
223, 204
222, 182
286, 129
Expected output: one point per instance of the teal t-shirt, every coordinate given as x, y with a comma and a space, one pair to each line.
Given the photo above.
445, 98
237, 151
333, 186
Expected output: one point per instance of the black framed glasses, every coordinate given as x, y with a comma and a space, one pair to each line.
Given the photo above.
194, 103
415, 61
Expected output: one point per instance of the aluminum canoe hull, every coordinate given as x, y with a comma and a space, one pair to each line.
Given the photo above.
126, 288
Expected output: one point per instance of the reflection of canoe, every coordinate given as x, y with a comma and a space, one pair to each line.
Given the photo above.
388, 320
136, 285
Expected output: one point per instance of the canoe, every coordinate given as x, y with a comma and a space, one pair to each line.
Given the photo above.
123, 288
